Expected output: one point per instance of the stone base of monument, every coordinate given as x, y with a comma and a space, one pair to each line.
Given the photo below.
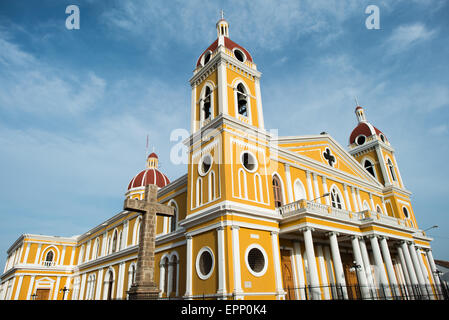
149, 292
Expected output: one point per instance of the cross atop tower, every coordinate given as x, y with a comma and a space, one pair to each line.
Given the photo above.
222, 14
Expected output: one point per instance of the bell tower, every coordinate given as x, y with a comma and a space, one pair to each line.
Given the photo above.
225, 82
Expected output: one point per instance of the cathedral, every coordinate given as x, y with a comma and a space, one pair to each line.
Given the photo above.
256, 216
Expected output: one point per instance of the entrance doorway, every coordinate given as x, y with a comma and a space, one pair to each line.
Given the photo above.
42, 294
287, 274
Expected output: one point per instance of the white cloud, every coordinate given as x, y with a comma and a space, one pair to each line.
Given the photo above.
405, 37
439, 130
31, 86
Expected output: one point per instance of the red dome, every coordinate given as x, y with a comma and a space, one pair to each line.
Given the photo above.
364, 128
149, 176
228, 43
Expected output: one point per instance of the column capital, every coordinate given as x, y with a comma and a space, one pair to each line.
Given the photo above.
235, 227
274, 233
188, 236
332, 233
304, 229
356, 237
220, 228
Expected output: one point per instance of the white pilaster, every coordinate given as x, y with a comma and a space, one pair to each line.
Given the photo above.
289, 184
259, 104
30, 288
222, 88
18, 288
317, 190
277, 264
348, 203
354, 200
309, 186
325, 190
99, 284
56, 288
236, 261
221, 262
189, 266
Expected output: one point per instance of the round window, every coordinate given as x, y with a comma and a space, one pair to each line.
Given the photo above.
256, 260
205, 263
382, 137
249, 161
360, 140
239, 55
205, 164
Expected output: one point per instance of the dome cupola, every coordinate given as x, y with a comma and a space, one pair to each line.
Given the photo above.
151, 175
364, 130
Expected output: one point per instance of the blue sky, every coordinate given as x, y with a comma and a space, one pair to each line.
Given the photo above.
76, 105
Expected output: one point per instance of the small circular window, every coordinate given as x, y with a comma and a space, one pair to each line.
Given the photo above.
239, 55
205, 164
404, 209
382, 137
256, 260
249, 161
205, 263
360, 140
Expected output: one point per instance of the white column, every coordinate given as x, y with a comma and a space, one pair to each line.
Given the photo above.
277, 264
379, 264
314, 281
19, 287
338, 266
367, 264
221, 262
348, 203
236, 262
289, 186
324, 282
38, 253
222, 88
363, 282
356, 206
193, 124
409, 264
56, 288
259, 104
27, 251
423, 267
309, 185
189, 266
125, 234
359, 200
99, 284
416, 264
299, 269
389, 264
433, 267
82, 287
30, 288
62, 257
317, 190
72, 255
382, 167
120, 280
323, 178
404, 266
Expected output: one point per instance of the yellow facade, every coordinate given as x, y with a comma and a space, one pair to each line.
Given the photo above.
256, 216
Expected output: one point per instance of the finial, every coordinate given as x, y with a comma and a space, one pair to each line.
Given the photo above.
356, 102
222, 14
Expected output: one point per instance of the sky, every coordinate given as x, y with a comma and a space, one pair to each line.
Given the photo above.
76, 105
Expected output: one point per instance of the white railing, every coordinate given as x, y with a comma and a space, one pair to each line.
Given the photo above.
300, 206
48, 263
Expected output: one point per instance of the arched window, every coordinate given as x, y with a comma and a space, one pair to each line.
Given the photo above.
242, 100
199, 192
243, 187
369, 167
114, 242
163, 276
211, 186
378, 209
207, 103
173, 219
109, 285
258, 187
49, 257
90, 289
96, 250
391, 167
300, 193
336, 198
174, 276
131, 275
277, 191
405, 211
